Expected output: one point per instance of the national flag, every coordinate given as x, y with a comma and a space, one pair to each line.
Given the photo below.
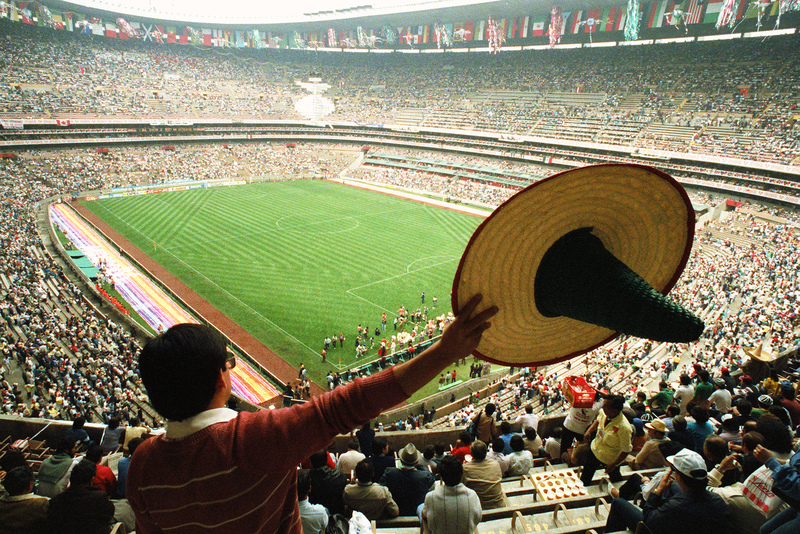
744, 4
656, 16
469, 27
623, 14
564, 19
539, 25
62, 122
693, 12
712, 11
183, 38
480, 35
111, 29
592, 16
575, 24
525, 28
207, 37
58, 22
752, 10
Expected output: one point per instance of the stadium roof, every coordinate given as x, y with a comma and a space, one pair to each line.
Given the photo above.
306, 12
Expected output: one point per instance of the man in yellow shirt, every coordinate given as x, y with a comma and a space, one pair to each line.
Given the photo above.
611, 444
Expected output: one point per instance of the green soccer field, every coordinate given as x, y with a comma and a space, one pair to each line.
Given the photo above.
294, 261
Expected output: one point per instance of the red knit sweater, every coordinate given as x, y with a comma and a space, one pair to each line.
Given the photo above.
240, 475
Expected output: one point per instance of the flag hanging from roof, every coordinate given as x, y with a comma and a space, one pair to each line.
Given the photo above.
539, 23
713, 8
726, 14
592, 21
556, 25
694, 10
632, 21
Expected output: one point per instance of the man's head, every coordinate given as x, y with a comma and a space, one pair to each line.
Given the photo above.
83, 473
94, 453
303, 484
751, 440
319, 459
478, 450
450, 470
517, 443
498, 445
78, 422
673, 410
19, 481
465, 438
656, 429
380, 446
690, 468
409, 456
530, 433
183, 369
490, 408
505, 428
529, 409
365, 471
352, 445
68, 446
613, 405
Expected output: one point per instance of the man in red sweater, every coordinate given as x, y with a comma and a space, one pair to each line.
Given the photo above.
216, 470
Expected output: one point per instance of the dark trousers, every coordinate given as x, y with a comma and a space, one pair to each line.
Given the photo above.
623, 515
566, 439
592, 465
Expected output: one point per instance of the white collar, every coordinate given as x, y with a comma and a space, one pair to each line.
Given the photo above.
187, 427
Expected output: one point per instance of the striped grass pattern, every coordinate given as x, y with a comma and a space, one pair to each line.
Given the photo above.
295, 261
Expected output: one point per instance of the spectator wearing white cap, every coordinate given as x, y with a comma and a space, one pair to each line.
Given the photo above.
720, 399
667, 510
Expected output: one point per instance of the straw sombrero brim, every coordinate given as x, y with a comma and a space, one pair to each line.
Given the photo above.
641, 215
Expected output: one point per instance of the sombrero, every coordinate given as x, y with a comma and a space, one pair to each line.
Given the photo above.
577, 258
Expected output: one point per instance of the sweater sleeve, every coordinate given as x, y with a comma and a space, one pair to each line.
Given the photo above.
786, 476
302, 430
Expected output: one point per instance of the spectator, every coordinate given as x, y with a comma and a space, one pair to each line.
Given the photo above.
484, 476
497, 455
577, 421
789, 401
661, 400
520, 461
612, 443
720, 399
685, 392
681, 434
327, 485
78, 433
371, 499
20, 510
133, 431
650, 456
786, 485
81, 509
673, 410
365, 435
777, 437
552, 446
347, 461
505, 434
408, 483
461, 450
187, 373
55, 471
313, 517
104, 478
668, 510
123, 465
532, 441
381, 457
427, 461
485, 428
113, 436
700, 427
528, 419
451, 508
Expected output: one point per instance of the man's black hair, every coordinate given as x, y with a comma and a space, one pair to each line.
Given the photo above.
303, 484
378, 444
65, 445
616, 402
450, 470
78, 422
365, 471
465, 437
517, 443
94, 453
319, 459
530, 433
18, 480
83, 473
180, 368
505, 427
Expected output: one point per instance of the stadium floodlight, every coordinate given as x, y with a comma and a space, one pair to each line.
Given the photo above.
770, 33
675, 40
720, 37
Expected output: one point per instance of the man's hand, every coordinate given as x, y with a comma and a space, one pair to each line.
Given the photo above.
728, 463
462, 336
664, 484
762, 454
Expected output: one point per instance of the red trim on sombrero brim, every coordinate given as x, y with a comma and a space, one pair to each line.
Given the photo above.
690, 227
